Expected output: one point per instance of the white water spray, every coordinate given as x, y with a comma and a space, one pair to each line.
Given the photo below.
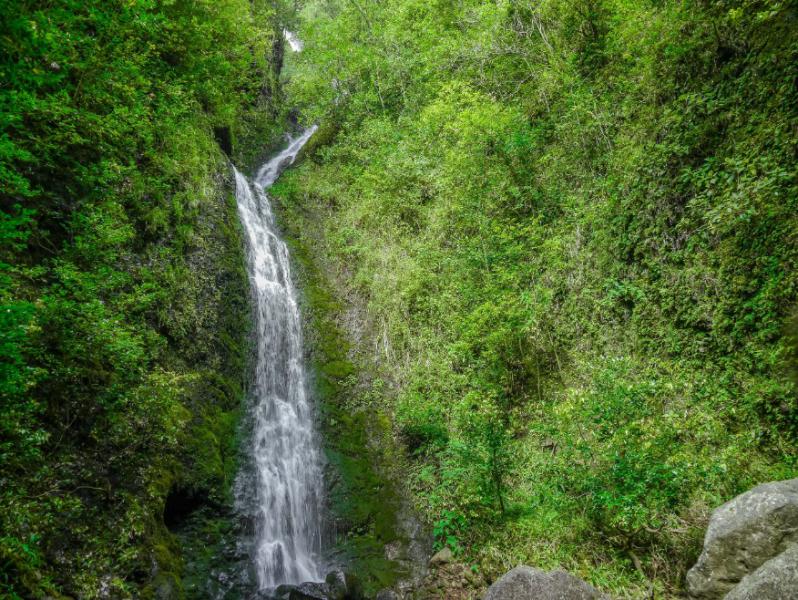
293, 41
285, 494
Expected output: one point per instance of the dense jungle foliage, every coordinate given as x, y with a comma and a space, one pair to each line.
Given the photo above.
123, 295
573, 228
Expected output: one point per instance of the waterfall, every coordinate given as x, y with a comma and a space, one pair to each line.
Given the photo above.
294, 42
282, 494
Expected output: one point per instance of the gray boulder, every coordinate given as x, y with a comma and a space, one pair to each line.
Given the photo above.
444, 557
743, 535
526, 583
336, 585
310, 591
777, 579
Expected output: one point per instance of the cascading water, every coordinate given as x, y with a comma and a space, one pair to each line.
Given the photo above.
294, 42
282, 495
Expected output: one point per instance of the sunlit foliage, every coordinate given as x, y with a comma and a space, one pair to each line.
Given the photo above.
573, 224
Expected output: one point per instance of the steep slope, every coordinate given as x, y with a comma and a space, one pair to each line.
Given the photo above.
571, 225
124, 296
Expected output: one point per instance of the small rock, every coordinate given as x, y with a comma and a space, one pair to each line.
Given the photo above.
386, 595
743, 535
309, 591
393, 551
444, 557
281, 593
526, 583
777, 579
336, 585
472, 577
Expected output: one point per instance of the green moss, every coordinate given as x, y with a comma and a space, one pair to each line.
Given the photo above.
372, 569
337, 369
325, 135
166, 582
363, 499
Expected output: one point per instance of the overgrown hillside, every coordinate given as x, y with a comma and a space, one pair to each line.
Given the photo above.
123, 294
573, 226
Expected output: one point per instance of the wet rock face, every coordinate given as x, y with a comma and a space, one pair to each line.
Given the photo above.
337, 586
311, 591
224, 138
526, 583
181, 503
743, 541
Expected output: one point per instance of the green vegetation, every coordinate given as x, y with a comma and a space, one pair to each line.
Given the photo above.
123, 297
572, 228
363, 500
549, 258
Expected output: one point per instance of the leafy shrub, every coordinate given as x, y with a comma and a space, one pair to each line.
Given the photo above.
446, 530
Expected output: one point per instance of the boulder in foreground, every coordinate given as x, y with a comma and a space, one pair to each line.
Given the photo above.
527, 583
777, 579
745, 534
